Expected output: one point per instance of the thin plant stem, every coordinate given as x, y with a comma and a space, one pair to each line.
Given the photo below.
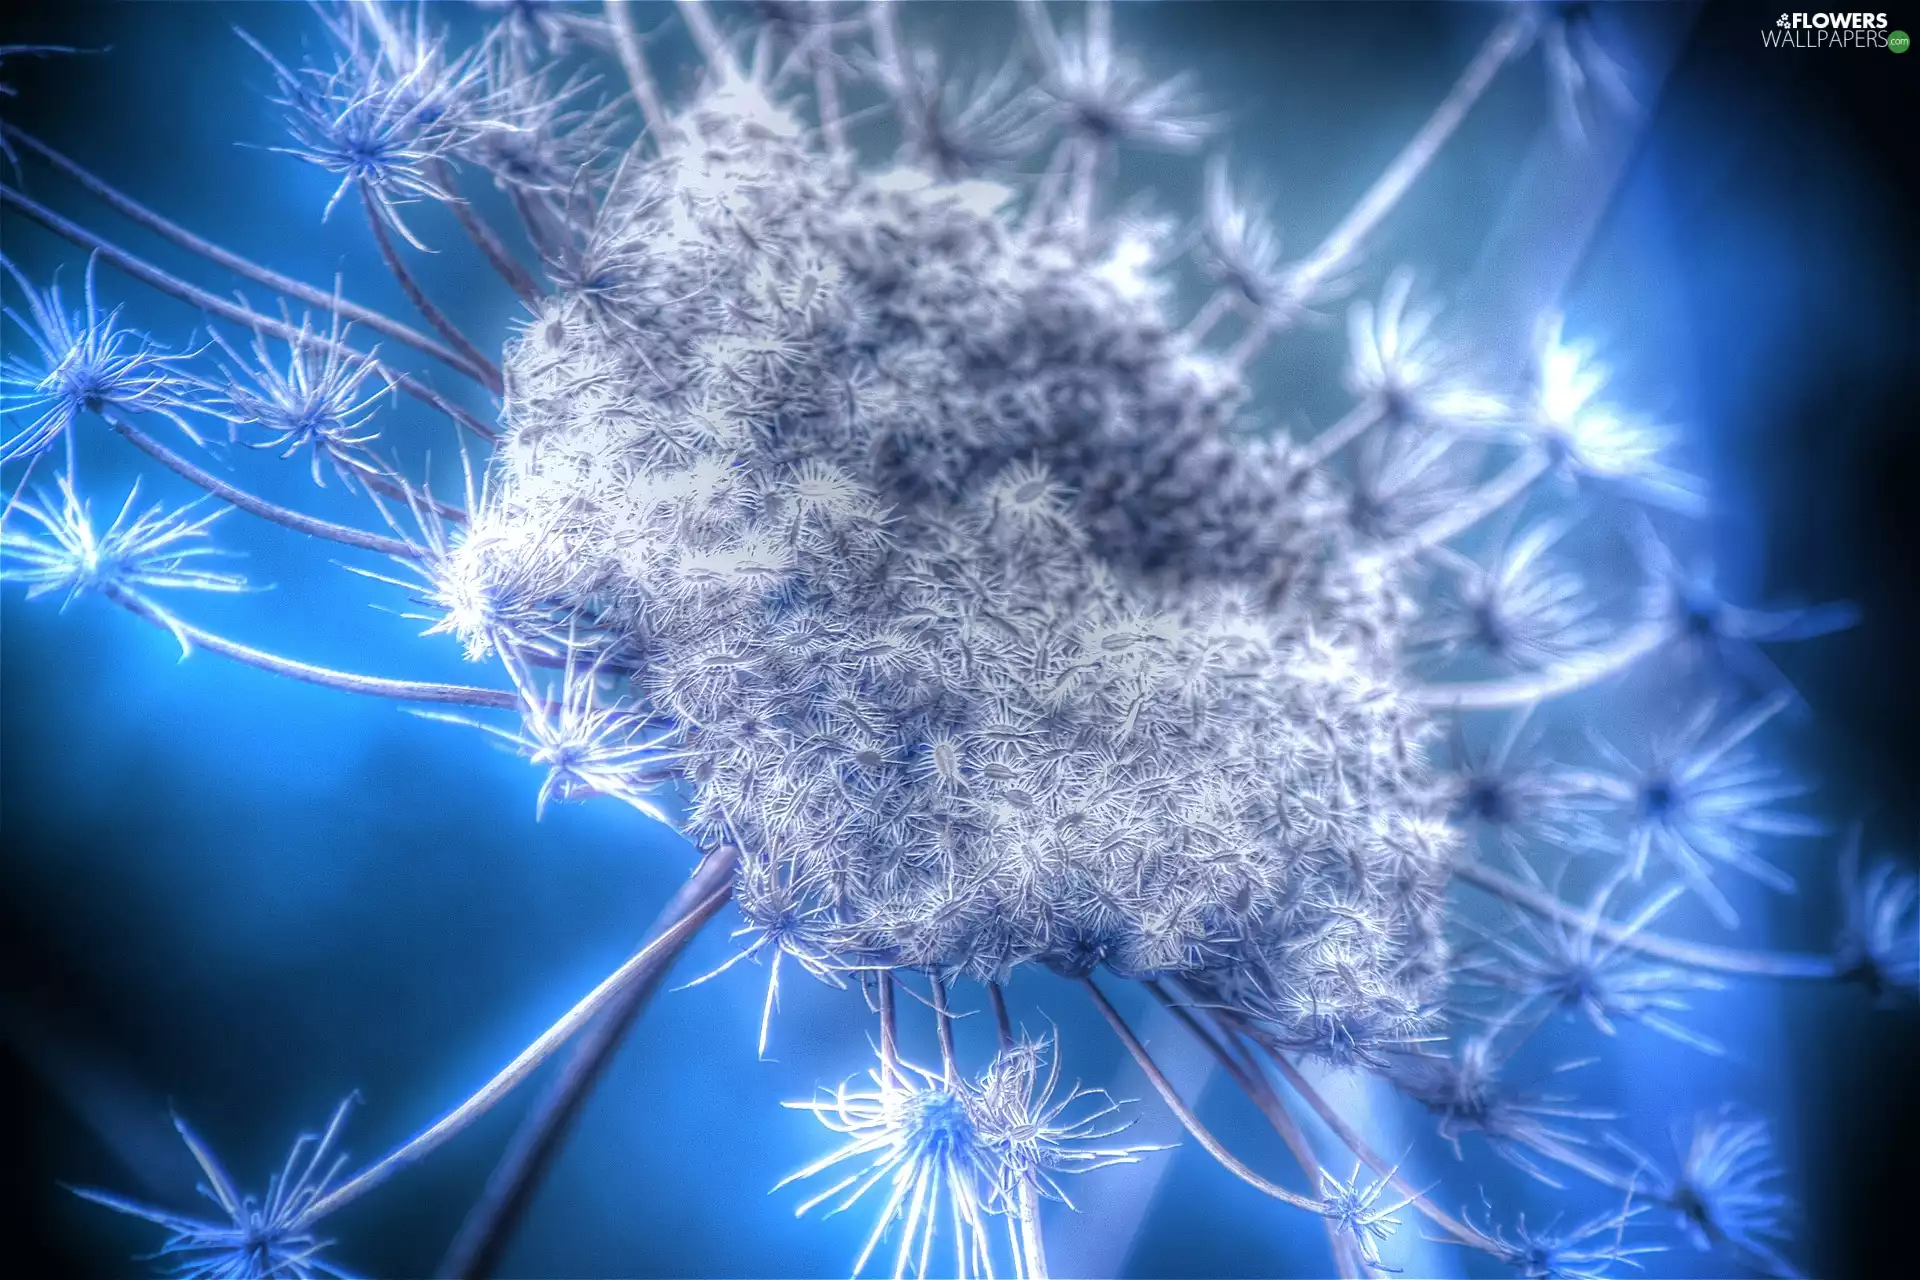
706, 37
1535, 686
1262, 1096
1211, 313
1692, 955
826, 92
1033, 1242
1336, 251
1001, 1022
490, 1224
1364, 1152
1472, 509
1183, 1113
487, 240
1341, 434
213, 304
403, 492
885, 28
257, 506
298, 290
1084, 184
889, 1030
633, 60
639, 967
327, 677
480, 367
943, 1023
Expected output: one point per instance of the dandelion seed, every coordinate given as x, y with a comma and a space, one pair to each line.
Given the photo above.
1572, 966
1593, 440
1724, 1191
268, 1239
321, 403
1584, 1252
586, 749
87, 362
1879, 943
1703, 797
141, 551
1354, 1208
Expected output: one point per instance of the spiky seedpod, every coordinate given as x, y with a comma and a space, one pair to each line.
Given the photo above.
989, 642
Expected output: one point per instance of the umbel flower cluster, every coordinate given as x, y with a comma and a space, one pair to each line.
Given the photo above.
870, 509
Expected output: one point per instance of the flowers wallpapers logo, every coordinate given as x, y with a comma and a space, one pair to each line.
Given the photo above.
911, 608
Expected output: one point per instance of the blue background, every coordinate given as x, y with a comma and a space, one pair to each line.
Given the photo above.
245, 898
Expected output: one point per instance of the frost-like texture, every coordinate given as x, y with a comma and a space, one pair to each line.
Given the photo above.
903, 538
989, 641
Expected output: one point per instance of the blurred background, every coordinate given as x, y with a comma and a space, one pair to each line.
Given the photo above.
243, 898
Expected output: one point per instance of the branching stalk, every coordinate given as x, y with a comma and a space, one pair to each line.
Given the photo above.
706, 37
253, 505
1255, 1086
1337, 250
1575, 673
215, 305
633, 60
298, 290
490, 1224
486, 239
641, 967
1183, 1113
1471, 510
889, 1030
943, 1023
1693, 955
327, 677
1364, 1152
1001, 1022
1341, 434
478, 365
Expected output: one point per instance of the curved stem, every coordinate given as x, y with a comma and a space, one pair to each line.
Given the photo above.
633, 60
1033, 1243
286, 285
1183, 1113
1001, 1022
889, 1029
1262, 1096
345, 681
1472, 509
1693, 955
1576, 673
706, 37
477, 364
640, 967
405, 493
1082, 185
253, 505
1341, 434
826, 92
214, 304
1211, 312
885, 29
485, 238
1337, 250
1365, 1153
490, 1224
943, 1023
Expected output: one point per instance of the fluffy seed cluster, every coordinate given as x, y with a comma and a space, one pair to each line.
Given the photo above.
990, 640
